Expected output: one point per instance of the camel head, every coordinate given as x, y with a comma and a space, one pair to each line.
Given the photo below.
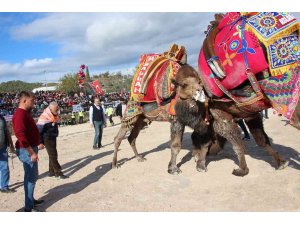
188, 85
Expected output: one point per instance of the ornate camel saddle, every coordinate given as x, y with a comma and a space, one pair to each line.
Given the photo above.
152, 80
151, 85
252, 47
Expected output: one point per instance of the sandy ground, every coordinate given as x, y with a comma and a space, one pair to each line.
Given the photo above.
146, 186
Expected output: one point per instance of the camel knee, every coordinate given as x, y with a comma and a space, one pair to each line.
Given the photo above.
176, 146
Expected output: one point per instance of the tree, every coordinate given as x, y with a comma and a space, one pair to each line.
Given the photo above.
68, 83
87, 74
17, 85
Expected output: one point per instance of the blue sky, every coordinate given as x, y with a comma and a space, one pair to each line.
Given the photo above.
14, 50
58, 43
31, 43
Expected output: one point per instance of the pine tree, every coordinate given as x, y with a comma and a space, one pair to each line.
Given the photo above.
87, 74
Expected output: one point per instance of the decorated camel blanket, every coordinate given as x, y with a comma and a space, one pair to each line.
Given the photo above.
265, 41
152, 80
238, 45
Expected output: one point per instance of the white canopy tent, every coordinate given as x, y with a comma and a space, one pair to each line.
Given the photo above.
53, 88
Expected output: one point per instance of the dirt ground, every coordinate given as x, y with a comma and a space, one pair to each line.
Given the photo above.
146, 186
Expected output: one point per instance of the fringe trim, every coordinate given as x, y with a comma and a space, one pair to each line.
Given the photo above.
129, 121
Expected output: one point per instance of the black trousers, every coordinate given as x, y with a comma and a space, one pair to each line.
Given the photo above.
111, 120
54, 166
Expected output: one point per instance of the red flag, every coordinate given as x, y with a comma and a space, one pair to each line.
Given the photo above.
96, 86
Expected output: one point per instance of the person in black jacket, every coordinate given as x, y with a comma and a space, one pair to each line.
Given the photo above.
121, 108
98, 121
48, 127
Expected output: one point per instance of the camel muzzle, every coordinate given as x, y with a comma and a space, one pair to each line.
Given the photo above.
199, 96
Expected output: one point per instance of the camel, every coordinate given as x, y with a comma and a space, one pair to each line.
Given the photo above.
233, 73
160, 113
138, 113
222, 122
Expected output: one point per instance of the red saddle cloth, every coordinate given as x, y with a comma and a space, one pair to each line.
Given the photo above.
152, 81
230, 47
160, 87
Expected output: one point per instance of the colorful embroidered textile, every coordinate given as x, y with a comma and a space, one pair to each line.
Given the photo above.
271, 26
284, 54
283, 91
152, 81
171, 109
133, 108
145, 62
231, 47
238, 48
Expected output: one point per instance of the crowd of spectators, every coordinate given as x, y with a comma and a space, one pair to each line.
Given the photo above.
9, 101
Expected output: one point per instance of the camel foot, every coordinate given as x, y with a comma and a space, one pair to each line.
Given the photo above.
283, 164
239, 172
141, 159
174, 170
115, 166
201, 168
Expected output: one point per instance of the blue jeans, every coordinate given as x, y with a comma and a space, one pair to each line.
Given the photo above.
30, 175
4, 169
98, 133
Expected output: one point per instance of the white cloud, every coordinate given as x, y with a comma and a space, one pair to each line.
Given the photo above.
107, 41
37, 62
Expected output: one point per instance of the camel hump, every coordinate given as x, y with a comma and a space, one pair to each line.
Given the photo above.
219, 17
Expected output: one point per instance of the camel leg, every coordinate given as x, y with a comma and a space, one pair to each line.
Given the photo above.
256, 128
177, 130
217, 145
227, 128
117, 141
201, 142
133, 135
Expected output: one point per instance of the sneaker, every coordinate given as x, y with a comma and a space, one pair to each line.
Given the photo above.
7, 191
51, 175
100, 146
38, 202
95, 147
62, 177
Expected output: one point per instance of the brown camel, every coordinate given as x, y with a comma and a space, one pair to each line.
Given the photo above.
177, 129
222, 122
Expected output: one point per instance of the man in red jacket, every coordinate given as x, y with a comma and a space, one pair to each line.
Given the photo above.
27, 146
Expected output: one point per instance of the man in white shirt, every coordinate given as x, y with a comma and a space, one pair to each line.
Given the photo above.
97, 120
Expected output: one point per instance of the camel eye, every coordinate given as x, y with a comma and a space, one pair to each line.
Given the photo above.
184, 85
